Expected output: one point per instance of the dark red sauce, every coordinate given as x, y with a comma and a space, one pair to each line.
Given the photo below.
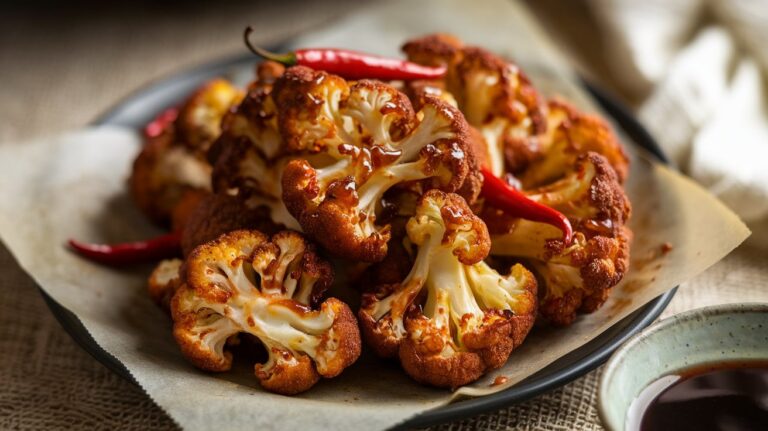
731, 396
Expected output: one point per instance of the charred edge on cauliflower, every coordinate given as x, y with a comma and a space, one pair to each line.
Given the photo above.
249, 157
472, 317
581, 277
242, 156
577, 278
246, 157
244, 282
570, 134
373, 142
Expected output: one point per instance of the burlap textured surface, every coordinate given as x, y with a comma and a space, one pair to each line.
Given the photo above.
47, 381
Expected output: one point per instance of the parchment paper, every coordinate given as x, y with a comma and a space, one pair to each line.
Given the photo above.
74, 186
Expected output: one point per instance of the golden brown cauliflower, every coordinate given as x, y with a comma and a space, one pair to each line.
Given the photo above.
244, 282
163, 282
363, 139
163, 173
199, 121
453, 318
494, 95
172, 161
571, 133
578, 276
249, 156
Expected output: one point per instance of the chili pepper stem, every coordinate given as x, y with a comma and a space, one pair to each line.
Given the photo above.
288, 59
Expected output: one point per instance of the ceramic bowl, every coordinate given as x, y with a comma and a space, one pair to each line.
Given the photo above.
732, 332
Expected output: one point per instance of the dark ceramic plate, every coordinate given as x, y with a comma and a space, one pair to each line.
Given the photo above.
138, 109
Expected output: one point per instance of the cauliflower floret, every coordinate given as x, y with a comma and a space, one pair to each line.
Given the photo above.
453, 317
246, 157
249, 156
590, 192
578, 276
367, 140
570, 134
163, 172
438, 49
495, 96
172, 161
199, 121
243, 282
164, 281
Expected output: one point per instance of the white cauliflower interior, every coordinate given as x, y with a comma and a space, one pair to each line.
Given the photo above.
265, 300
458, 294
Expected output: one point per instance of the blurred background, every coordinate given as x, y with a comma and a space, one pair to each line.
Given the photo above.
692, 70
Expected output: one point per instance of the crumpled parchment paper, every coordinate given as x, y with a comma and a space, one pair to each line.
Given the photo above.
73, 185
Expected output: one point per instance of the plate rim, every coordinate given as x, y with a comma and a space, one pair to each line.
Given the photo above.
526, 389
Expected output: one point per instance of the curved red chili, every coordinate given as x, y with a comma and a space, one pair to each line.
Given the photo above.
349, 64
153, 249
513, 202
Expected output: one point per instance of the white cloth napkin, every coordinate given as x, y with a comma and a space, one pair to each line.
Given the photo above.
700, 66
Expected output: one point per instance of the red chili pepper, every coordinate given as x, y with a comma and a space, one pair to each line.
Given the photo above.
156, 126
157, 248
513, 202
350, 64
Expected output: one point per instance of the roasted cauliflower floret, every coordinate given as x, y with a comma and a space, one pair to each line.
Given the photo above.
495, 96
249, 156
163, 282
570, 134
163, 172
367, 140
199, 121
590, 193
245, 154
578, 276
172, 161
243, 282
453, 317
499, 100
